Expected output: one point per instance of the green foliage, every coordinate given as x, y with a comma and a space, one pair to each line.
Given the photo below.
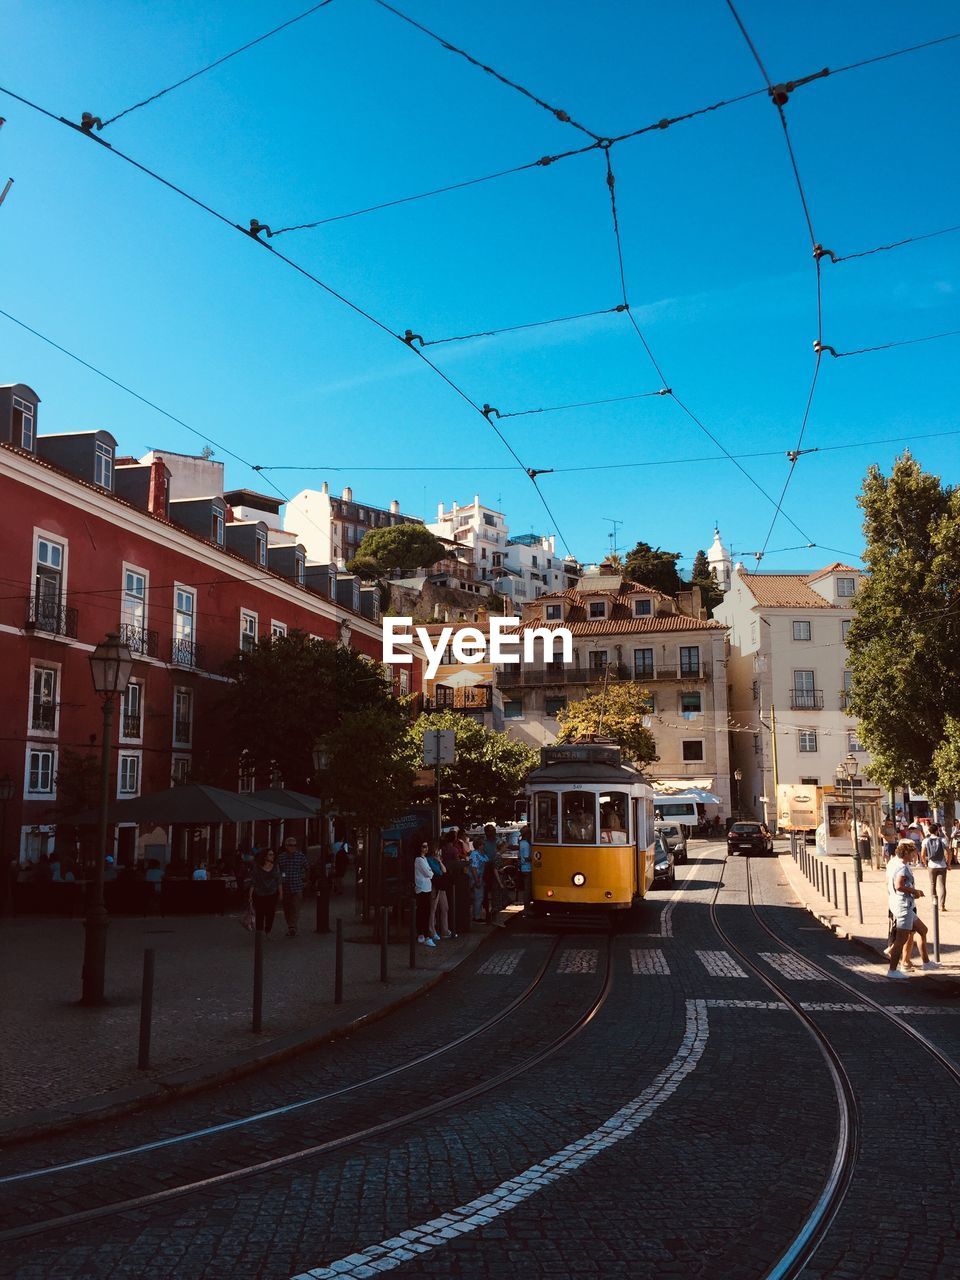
652, 567
489, 772
904, 642
618, 713
401, 546
702, 576
369, 774
78, 781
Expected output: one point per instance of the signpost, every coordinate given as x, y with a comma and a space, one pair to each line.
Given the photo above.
439, 748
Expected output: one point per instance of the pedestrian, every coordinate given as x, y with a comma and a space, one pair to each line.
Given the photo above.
525, 865
341, 860
903, 905
477, 864
439, 904
889, 832
935, 854
294, 868
457, 894
423, 888
266, 890
491, 880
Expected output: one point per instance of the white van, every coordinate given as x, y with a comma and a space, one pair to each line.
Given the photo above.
676, 809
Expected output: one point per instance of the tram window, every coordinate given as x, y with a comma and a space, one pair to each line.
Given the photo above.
579, 817
545, 816
613, 818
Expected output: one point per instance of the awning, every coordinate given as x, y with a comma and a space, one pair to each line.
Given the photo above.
193, 803
673, 786
463, 680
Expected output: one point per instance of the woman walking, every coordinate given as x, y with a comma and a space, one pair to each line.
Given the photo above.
422, 887
266, 890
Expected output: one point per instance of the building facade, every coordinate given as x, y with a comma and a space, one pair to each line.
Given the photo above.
788, 677
332, 528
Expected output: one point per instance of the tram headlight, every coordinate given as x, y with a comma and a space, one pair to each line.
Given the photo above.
537, 855
579, 879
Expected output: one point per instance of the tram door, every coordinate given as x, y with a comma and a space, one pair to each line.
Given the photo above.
643, 826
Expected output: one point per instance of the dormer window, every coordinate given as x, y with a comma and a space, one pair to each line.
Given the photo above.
598, 609
261, 548
553, 612
216, 531
299, 568
103, 466
846, 586
643, 608
28, 429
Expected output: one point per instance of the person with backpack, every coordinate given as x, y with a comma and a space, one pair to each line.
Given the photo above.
935, 855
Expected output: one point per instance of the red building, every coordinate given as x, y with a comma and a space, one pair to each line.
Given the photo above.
188, 574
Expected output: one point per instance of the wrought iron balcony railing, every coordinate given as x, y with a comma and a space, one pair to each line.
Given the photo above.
139, 640
51, 616
187, 653
806, 699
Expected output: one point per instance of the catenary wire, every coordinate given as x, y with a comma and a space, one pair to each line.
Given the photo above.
219, 61
895, 53
582, 404
887, 346
515, 328
560, 114
895, 244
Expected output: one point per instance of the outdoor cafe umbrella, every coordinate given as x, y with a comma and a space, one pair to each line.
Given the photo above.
193, 804
306, 805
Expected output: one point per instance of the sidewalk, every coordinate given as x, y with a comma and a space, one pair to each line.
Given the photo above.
873, 891
62, 1063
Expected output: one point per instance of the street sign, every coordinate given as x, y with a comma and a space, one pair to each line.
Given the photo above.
439, 746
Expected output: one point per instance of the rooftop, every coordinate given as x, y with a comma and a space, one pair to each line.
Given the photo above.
787, 590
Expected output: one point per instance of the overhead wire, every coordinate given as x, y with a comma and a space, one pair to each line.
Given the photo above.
887, 346
218, 62
885, 248
409, 337
582, 404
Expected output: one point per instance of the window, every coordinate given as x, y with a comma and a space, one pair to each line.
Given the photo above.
403, 681
690, 660
180, 771
535, 562
807, 740
182, 717
693, 749
853, 742
513, 709
809, 782
261, 548
804, 696
248, 631
553, 706
553, 612
691, 703
614, 817
246, 773
757, 748
489, 520
184, 606
277, 629
216, 531
134, 603
801, 630
545, 816
299, 568
598, 609
40, 773
579, 817
27, 424
103, 466
846, 586
598, 659
845, 629
642, 608
49, 584
131, 725
756, 690
129, 779
43, 703
643, 662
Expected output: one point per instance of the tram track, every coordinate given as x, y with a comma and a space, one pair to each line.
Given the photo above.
329, 1146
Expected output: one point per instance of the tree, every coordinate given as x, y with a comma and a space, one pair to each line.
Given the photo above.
904, 641
78, 789
702, 576
401, 546
489, 773
652, 567
370, 773
616, 711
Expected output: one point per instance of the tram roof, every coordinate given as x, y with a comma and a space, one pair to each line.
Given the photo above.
585, 771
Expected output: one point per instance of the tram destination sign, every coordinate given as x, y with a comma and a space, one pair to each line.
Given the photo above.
585, 753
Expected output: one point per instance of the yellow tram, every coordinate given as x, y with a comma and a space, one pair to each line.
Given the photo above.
592, 822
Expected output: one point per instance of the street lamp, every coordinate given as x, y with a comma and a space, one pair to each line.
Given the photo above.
738, 778
321, 762
110, 667
847, 771
7, 787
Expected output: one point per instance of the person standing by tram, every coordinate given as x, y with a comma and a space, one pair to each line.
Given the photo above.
525, 865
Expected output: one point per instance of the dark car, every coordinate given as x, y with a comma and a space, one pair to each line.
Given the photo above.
664, 870
675, 837
749, 837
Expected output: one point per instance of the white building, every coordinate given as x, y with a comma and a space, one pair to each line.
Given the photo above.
718, 558
332, 528
787, 674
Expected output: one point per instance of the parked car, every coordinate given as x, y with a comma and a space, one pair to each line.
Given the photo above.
749, 837
664, 869
675, 837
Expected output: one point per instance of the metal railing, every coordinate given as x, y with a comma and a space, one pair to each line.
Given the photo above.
181, 732
43, 717
139, 640
806, 699
462, 699
557, 673
52, 616
131, 724
187, 653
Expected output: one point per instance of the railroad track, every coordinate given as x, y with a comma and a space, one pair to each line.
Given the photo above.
34, 1178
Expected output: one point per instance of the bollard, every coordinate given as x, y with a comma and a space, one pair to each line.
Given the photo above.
846, 900
258, 981
323, 903
146, 1009
338, 965
816, 875
452, 907
859, 900
413, 933
384, 934
833, 877
936, 930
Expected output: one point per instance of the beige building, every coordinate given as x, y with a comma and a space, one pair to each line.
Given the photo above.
623, 630
787, 668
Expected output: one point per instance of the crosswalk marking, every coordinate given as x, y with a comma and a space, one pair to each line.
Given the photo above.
720, 964
503, 962
744, 1004
582, 961
862, 968
648, 960
826, 1006
791, 966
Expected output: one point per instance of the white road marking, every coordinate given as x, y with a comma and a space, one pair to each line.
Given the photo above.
648, 960
666, 915
720, 964
485, 1209
791, 966
826, 1006
918, 1008
582, 961
862, 968
745, 1004
503, 962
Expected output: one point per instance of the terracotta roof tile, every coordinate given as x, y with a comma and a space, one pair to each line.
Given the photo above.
784, 591
836, 567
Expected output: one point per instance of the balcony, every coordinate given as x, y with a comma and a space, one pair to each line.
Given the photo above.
469, 698
806, 699
182, 732
50, 616
141, 642
845, 696
43, 717
515, 676
187, 653
131, 724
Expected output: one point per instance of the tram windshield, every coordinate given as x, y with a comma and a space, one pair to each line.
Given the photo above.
579, 817
613, 817
545, 816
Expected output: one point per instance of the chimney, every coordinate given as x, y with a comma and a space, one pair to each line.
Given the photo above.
158, 497
324, 488
347, 493
395, 507
439, 512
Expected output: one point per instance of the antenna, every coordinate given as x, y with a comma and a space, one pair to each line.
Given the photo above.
612, 535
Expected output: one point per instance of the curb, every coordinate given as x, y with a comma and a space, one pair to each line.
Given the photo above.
205, 1075
828, 922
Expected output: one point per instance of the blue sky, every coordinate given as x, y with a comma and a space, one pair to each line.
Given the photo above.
352, 107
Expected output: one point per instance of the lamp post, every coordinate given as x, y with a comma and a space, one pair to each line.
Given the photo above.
6, 794
847, 771
738, 778
320, 764
110, 667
